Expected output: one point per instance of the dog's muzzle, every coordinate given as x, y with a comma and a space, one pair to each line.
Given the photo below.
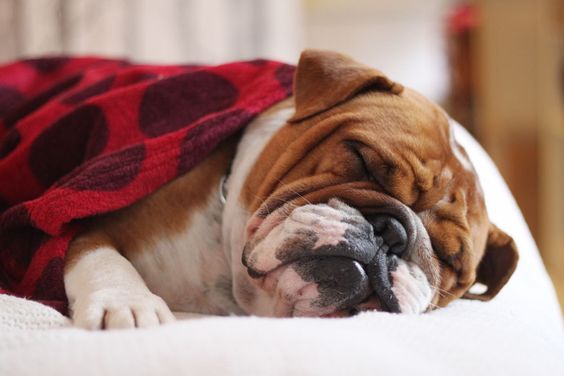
328, 257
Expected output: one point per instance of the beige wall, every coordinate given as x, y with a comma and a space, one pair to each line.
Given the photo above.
403, 38
164, 31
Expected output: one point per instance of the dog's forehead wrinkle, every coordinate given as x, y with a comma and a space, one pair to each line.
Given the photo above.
342, 206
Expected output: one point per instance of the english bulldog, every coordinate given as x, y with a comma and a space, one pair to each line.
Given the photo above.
352, 195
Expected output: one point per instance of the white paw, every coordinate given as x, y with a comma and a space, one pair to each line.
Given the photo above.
120, 309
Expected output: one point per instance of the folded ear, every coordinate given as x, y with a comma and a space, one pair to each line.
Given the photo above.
325, 79
497, 264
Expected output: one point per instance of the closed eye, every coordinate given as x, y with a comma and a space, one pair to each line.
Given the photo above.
353, 147
450, 256
378, 176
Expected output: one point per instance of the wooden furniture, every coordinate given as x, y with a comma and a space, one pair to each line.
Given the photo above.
519, 111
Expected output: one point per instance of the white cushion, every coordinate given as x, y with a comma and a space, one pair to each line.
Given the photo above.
518, 333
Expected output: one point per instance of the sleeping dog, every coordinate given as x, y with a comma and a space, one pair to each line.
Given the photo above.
352, 195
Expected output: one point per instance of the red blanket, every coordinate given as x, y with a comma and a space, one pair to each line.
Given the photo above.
84, 136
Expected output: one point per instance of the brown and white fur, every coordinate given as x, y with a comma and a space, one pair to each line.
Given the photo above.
182, 249
169, 259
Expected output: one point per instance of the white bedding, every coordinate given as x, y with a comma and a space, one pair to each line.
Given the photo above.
518, 333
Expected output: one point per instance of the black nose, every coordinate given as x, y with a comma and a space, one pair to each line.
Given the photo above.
391, 231
341, 282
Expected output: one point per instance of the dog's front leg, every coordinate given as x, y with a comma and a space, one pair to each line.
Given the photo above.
104, 289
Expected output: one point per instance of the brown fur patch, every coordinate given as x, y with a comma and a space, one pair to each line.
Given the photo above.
354, 133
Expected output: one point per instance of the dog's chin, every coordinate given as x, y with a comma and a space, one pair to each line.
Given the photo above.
290, 295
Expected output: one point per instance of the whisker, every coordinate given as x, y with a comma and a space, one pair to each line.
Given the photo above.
442, 291
296, 192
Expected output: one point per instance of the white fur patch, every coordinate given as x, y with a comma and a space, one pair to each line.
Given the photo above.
411, 288
325, 221
464, 161
321, 220
235, 215
105, 291
187, 269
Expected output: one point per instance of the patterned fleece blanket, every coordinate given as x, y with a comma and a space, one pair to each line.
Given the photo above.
85, 136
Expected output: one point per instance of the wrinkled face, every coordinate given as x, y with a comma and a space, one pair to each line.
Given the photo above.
368, 205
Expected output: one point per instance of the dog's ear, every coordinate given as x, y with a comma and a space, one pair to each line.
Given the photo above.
497, 264
324, 79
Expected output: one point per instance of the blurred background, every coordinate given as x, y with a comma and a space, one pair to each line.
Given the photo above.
497, 66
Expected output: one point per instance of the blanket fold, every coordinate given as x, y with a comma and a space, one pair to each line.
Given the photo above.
86, 136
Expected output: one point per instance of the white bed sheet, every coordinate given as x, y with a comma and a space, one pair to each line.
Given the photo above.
518, 333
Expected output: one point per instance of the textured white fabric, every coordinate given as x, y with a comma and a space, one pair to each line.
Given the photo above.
518, 333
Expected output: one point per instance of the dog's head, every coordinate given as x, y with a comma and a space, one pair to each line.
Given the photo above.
364, 200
